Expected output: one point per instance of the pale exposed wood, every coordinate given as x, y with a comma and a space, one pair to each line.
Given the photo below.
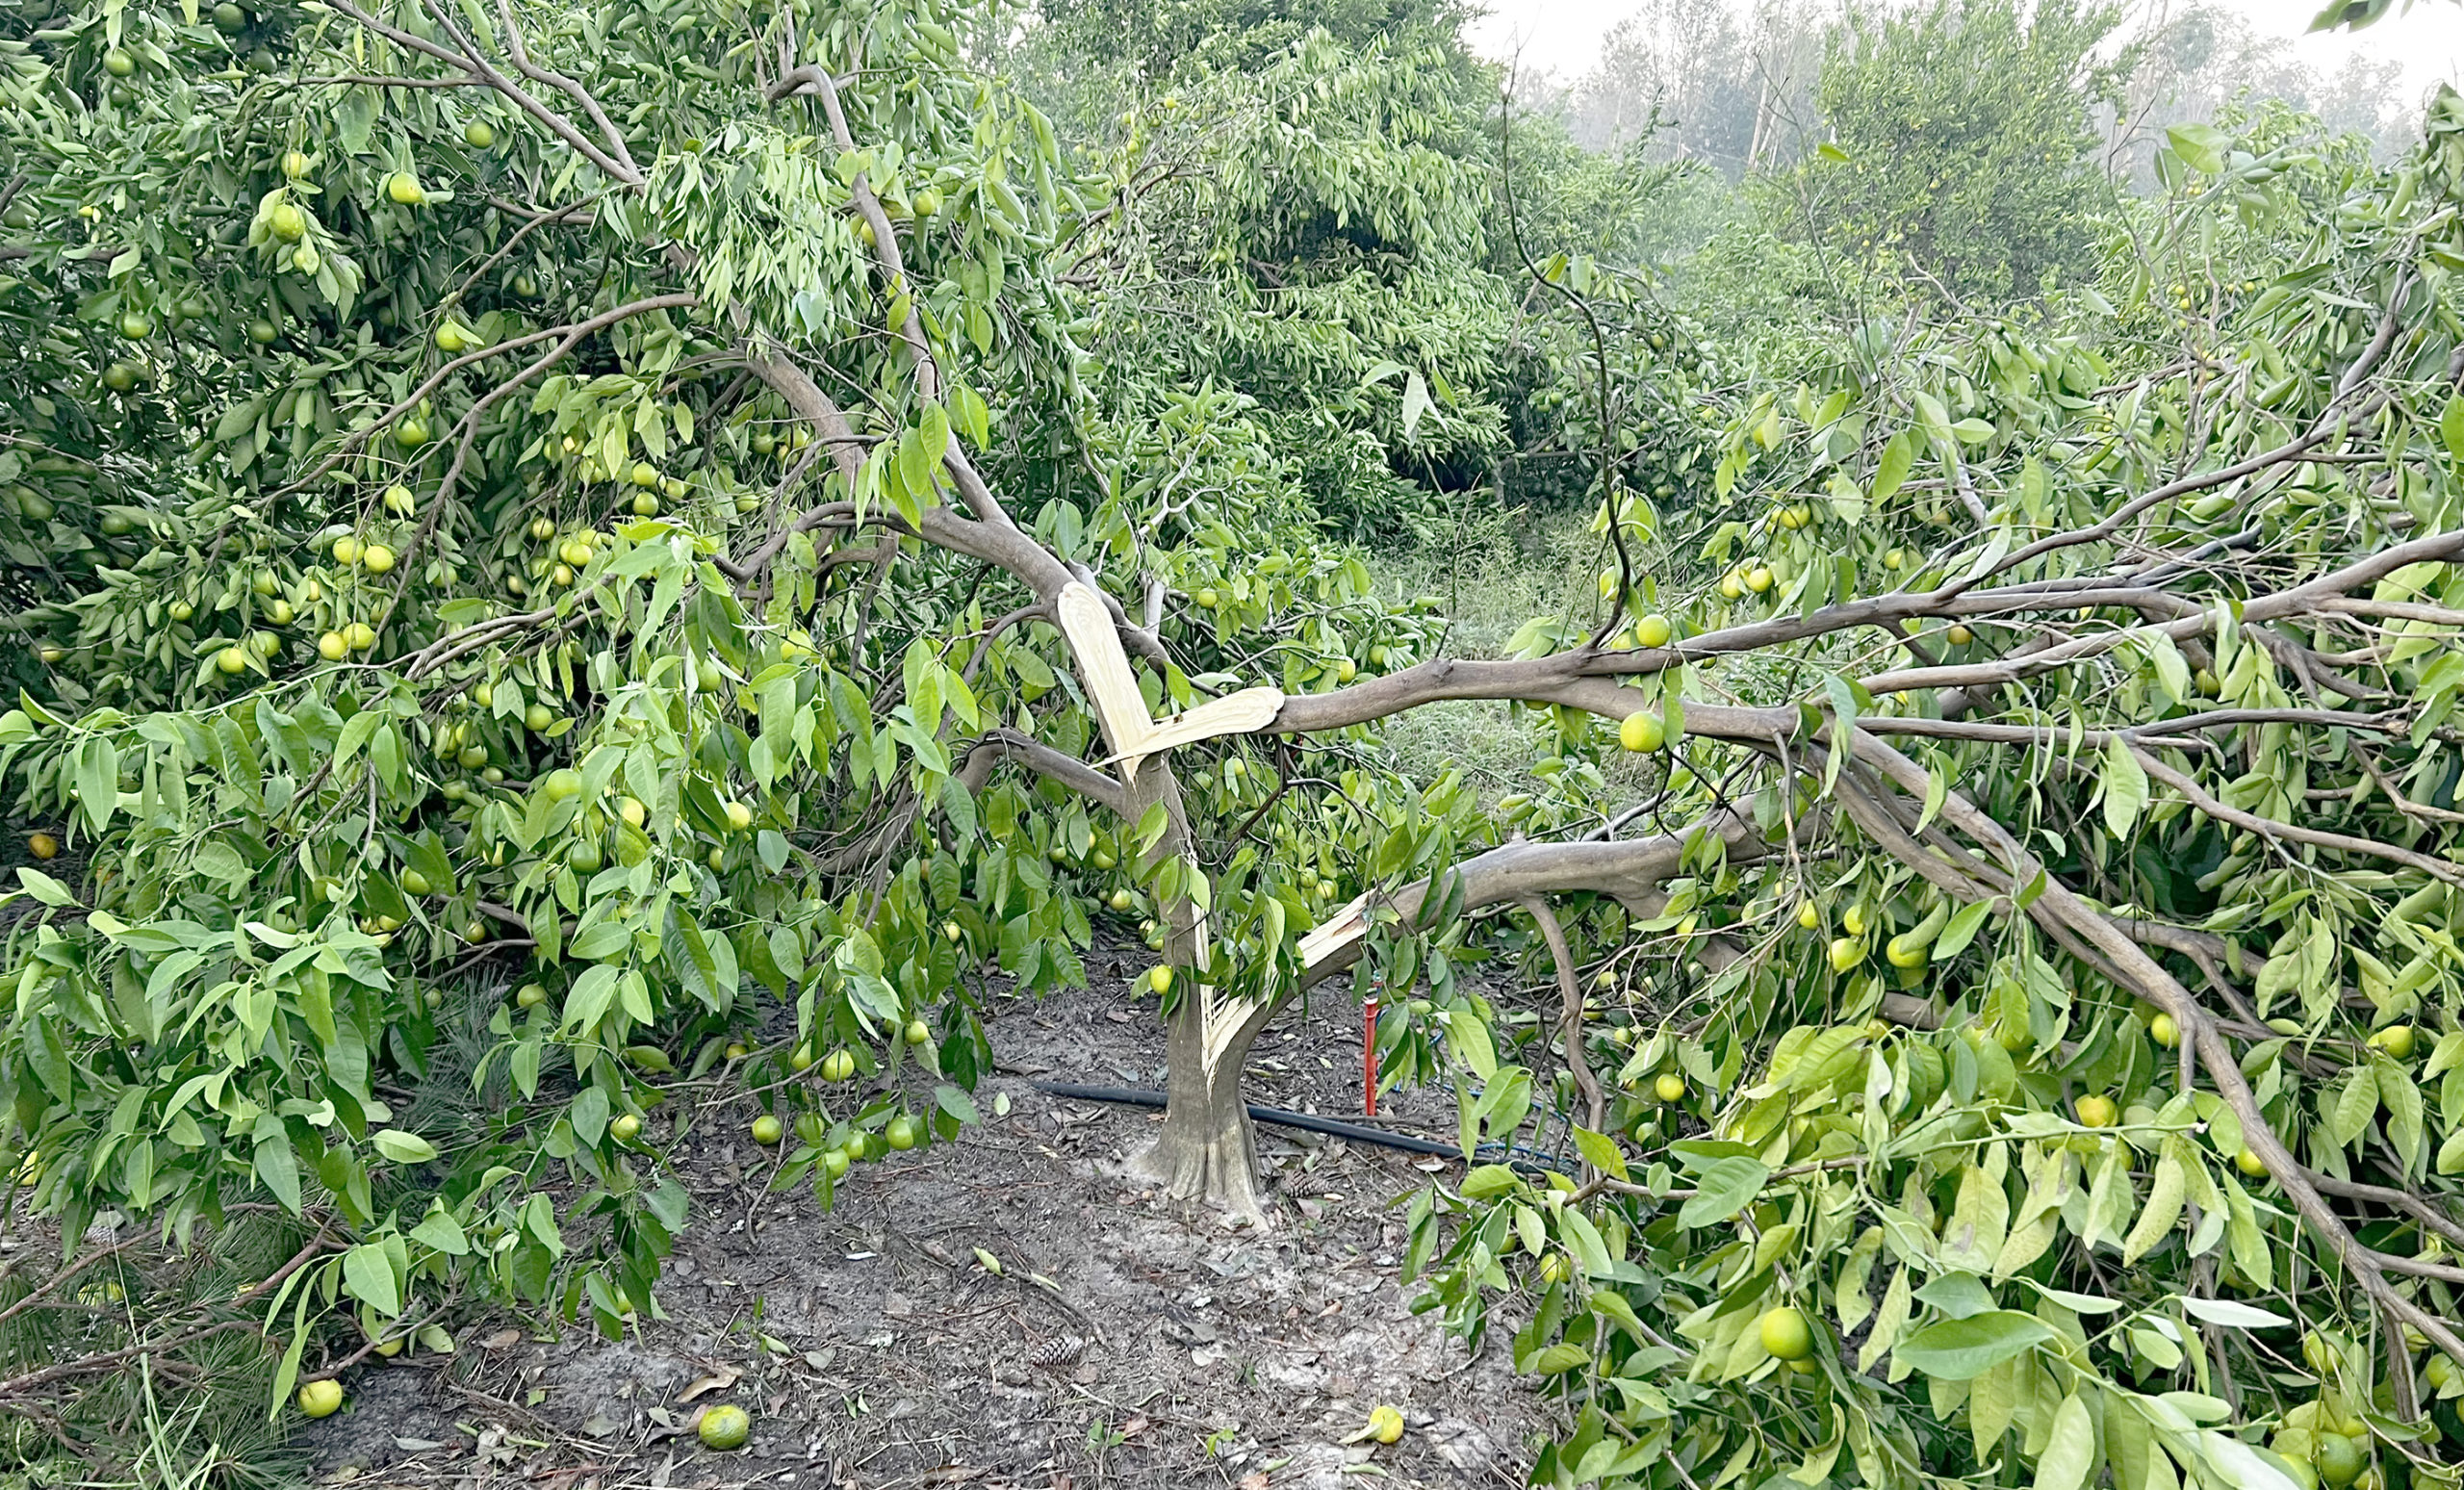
1334, 933
1105, 668
1245, 712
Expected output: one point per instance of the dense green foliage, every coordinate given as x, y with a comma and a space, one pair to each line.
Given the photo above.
1991, 190
543, 592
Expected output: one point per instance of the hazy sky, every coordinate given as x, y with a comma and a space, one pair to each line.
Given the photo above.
1563, 35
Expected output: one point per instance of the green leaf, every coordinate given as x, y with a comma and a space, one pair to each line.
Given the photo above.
1469, 1039
2355, 1104
2125, 788
99, 781
955, 1101
1891, 473
2202, 147
441, 1232
368, 1276
275, 1164
1489, 1180
2070, 1452
1964, 1349
403, 1147
1961, 930
1601, 1152
2162, 1211
1727, 1186
43, 888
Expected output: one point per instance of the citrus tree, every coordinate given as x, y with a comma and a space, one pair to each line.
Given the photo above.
2040, 956
510, 512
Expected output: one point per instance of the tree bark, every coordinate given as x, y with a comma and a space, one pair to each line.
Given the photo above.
1208, 1148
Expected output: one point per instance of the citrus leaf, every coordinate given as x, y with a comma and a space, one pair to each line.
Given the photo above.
1727, 1187
2070, 1452
1964, 1349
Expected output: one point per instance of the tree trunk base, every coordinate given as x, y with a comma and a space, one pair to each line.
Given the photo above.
1197, 1160
1207, 1150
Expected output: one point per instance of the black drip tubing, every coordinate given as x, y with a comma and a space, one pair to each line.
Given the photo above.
1350, 1132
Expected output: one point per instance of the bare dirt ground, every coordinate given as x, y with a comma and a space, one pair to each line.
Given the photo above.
873, 1349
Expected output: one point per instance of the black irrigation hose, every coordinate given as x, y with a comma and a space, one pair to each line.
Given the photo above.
1351, 1132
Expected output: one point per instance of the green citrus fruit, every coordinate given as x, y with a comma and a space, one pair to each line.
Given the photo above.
902, 1133
1786, 1335
478, 134
2097, 1112
838, 1066
319, 1398
767, 1130
2340, 1460
2396, 1040
724, 1428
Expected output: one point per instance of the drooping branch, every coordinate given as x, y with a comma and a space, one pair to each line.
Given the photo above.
618, 168
1630, 871
1570, 1017
2269, 828
977, 760
2056, 904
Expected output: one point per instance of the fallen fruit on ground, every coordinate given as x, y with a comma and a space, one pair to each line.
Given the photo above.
723, 1428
